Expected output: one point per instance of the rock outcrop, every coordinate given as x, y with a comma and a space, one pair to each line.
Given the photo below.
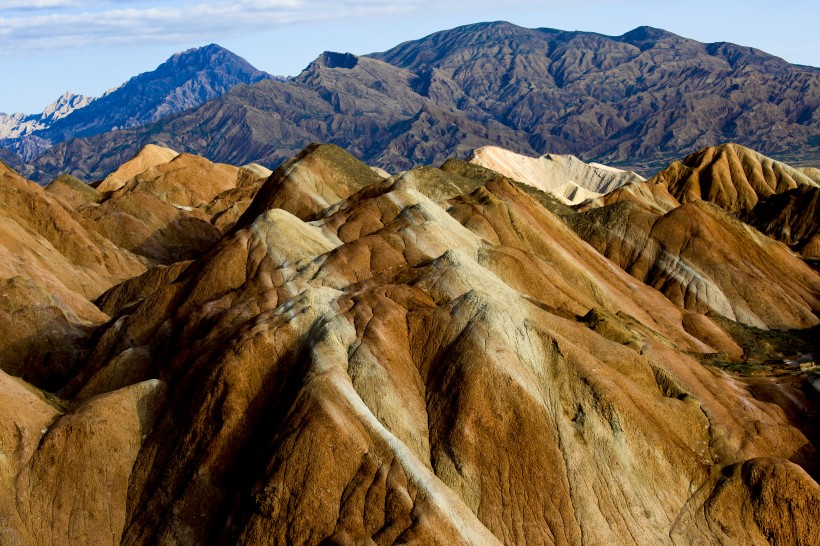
435, 357
731, 176
564, 176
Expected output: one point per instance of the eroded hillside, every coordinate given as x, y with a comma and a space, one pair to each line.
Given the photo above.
324, 354
638, 99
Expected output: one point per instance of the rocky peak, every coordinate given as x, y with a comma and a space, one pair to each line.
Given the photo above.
645, 34
211, 57
331, 59
65, 105
184, 81
18, 125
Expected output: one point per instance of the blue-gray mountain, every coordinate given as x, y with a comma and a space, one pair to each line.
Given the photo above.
639, 99
184, 81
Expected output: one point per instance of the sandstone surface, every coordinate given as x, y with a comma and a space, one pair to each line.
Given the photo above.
436, 357
564, 176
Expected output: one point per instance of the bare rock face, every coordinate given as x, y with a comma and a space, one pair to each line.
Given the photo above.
70, 463
149, 156
435, 358
564, 176
731, 176
769, 493
746, 276
50, 267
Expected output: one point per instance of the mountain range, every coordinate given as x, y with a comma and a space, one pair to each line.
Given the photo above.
15, 126
186, 80
640, 100
472, 337
200, 353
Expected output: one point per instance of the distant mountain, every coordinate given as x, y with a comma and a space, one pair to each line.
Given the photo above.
17, 125
641, 96
640, 100
11, 159
22, 133
184, 81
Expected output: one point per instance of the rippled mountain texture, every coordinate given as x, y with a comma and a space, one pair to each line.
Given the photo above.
201, 353
640, 100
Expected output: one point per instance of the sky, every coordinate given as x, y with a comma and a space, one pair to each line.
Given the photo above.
48, 47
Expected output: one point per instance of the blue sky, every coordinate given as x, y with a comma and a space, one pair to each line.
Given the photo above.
87, 46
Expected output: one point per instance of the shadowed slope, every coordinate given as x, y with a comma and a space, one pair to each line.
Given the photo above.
435, 358
50, 266
704, 260
792, 217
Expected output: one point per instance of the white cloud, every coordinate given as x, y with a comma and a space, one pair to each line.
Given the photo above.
31, 5
42, 25
30, 26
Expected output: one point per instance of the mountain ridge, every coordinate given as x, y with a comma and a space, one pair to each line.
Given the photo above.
186, 80
324, 354
17, 125
638, 100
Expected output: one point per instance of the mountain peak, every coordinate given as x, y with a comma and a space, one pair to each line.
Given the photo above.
210, 57
645, 37
205, 51
332, 59
645, 34
186, 80
21, 126
65, 105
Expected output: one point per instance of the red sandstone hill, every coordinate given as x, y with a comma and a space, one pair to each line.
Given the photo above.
444, 356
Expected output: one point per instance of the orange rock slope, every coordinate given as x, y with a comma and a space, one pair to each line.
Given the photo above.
431, 358
777, 199
679, 232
